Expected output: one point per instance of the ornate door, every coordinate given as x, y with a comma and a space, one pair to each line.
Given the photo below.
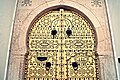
61, 45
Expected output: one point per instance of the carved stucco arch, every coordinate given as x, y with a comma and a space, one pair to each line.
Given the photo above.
69, 8
44, 6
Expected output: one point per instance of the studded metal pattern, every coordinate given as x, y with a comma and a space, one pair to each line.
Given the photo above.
72, 57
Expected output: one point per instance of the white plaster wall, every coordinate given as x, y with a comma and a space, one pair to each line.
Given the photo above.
6, 15
114, 9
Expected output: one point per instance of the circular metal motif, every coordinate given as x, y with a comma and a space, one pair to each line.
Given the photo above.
61, 46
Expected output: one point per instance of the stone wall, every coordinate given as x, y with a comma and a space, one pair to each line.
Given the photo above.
95, 10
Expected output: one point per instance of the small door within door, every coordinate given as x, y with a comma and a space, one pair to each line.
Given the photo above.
61, 46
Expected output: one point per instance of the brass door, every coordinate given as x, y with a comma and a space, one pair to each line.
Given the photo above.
61, 46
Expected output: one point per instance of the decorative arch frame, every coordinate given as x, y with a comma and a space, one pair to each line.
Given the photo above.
57, 7
54, 4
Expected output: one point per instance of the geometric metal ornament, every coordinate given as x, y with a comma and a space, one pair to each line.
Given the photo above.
61, 45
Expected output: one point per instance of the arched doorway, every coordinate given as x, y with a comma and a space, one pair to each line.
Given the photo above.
61, 45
